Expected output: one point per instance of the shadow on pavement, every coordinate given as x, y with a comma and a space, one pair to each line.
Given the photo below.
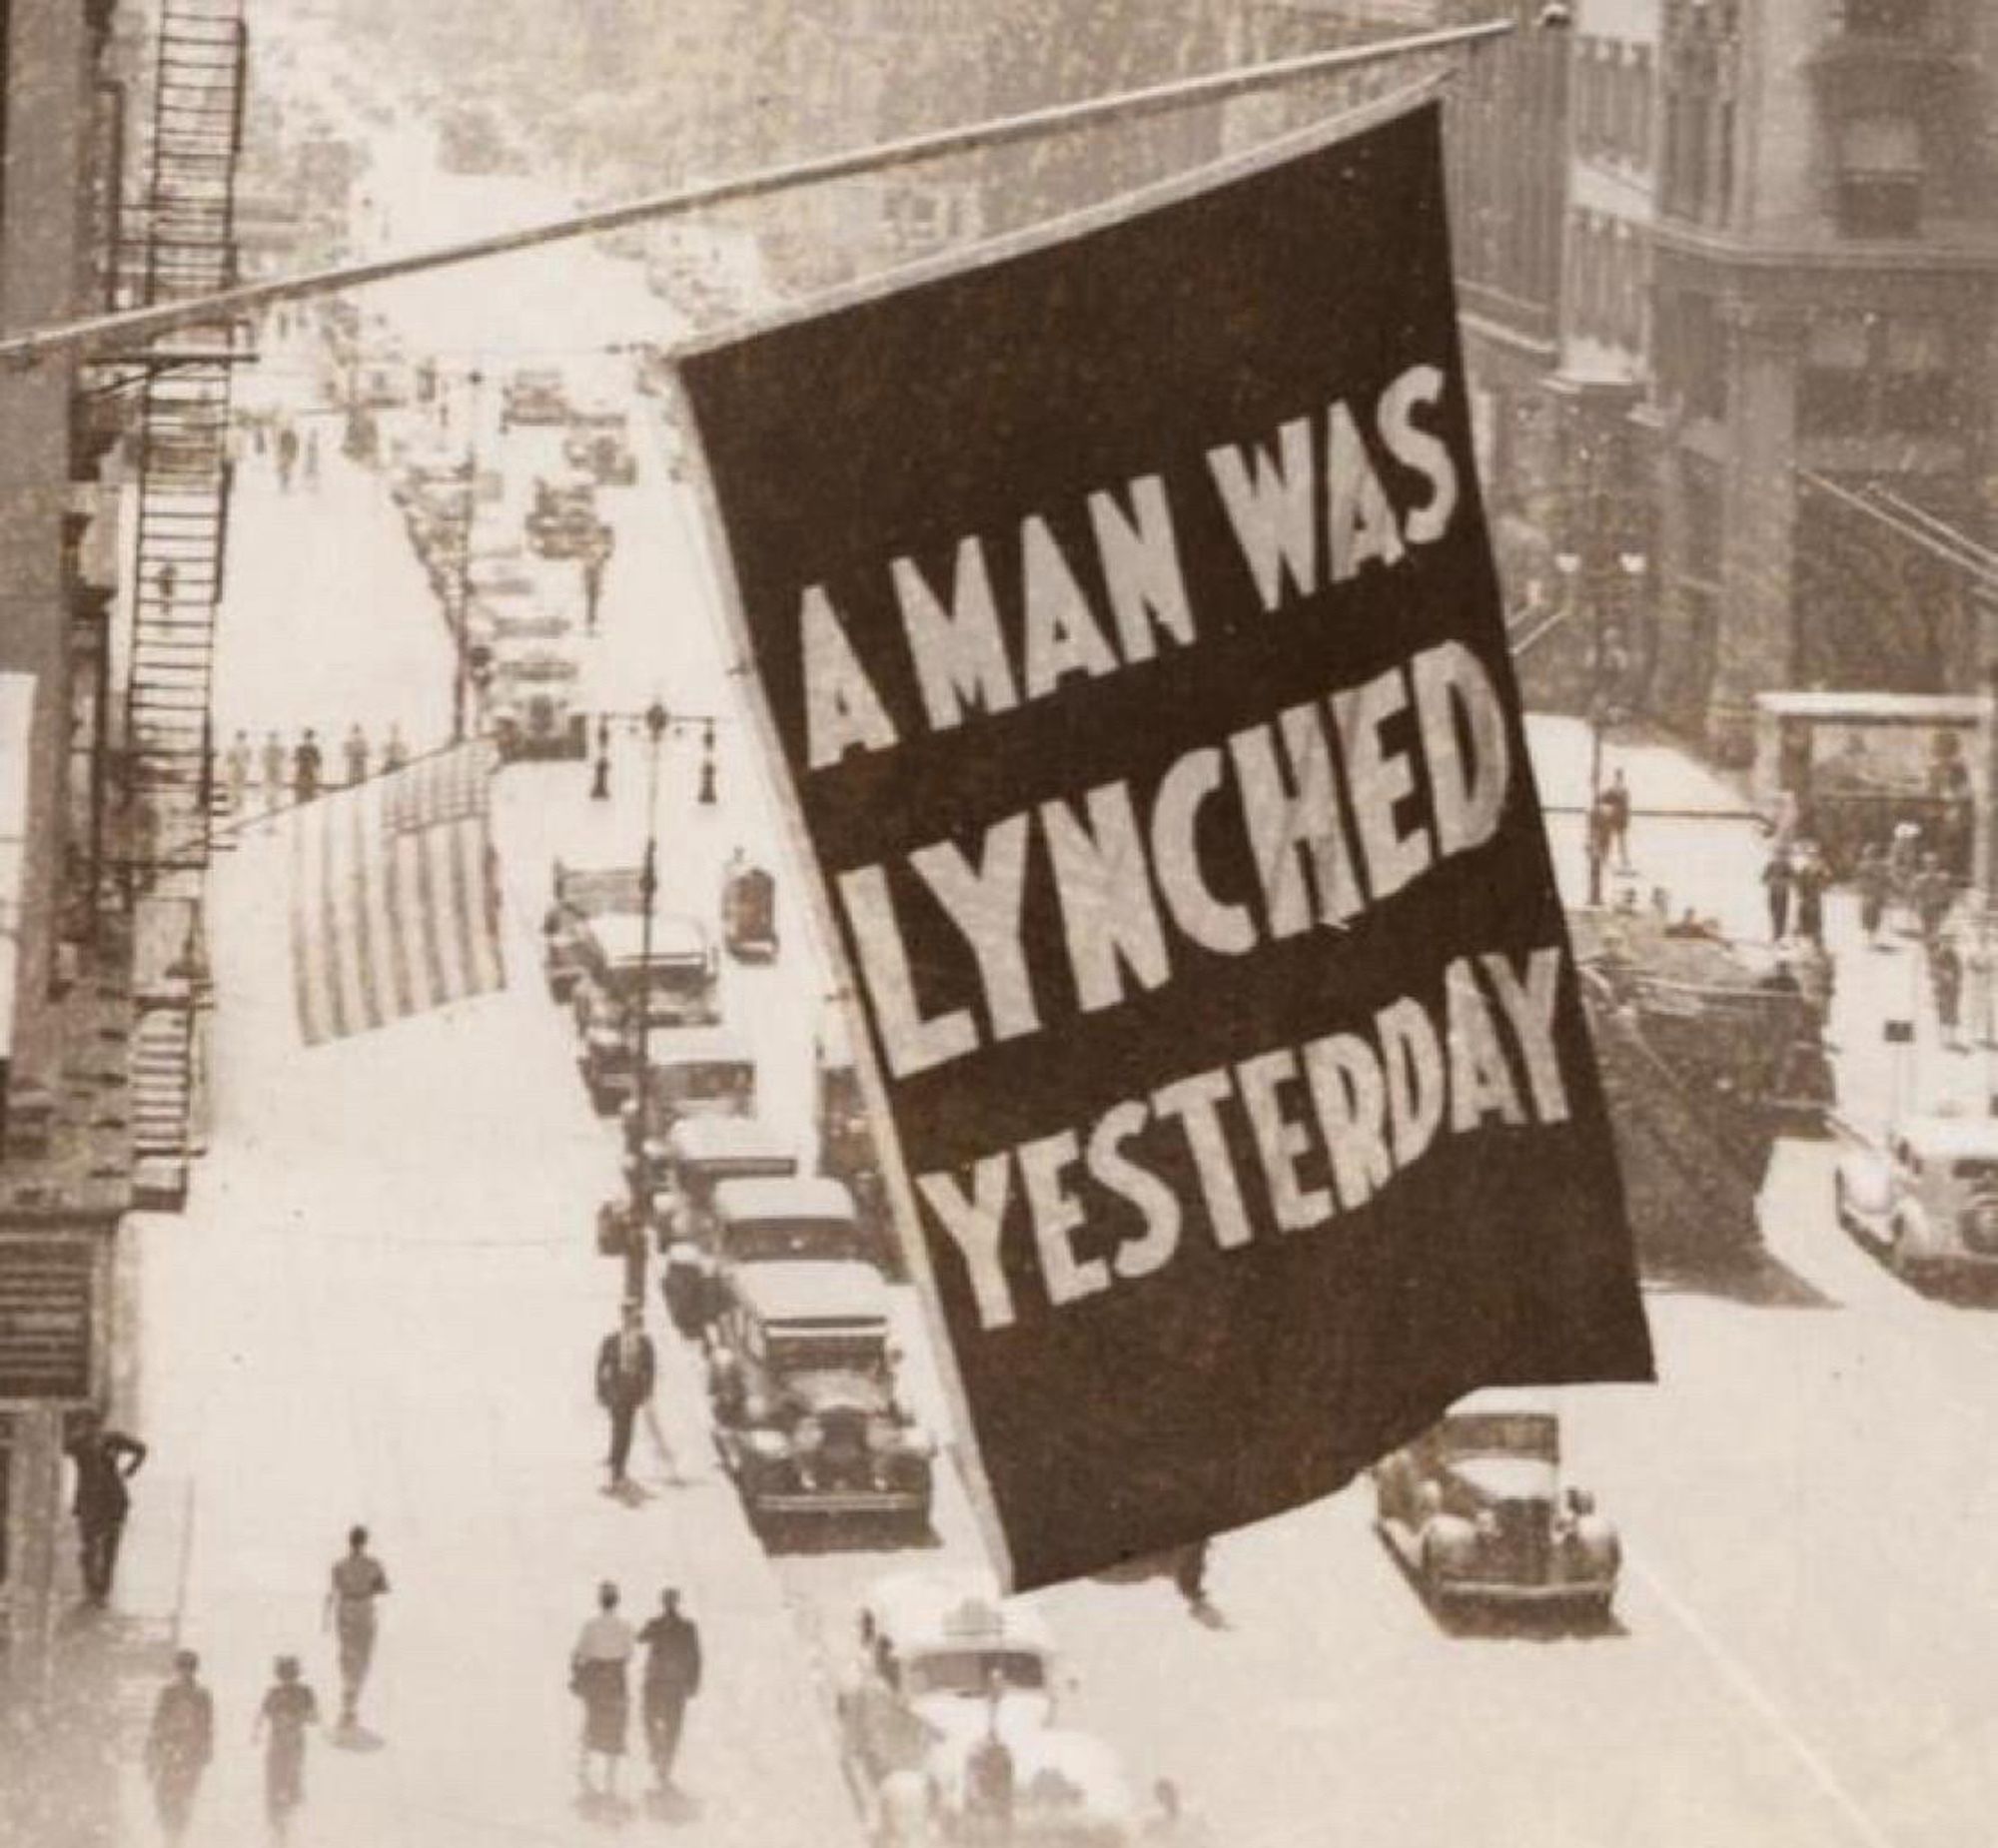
1755, 1278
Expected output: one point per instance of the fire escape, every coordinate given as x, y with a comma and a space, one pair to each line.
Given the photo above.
184, 247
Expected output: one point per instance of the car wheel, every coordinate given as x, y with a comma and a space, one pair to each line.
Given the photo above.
1896, 1252
1841, 1205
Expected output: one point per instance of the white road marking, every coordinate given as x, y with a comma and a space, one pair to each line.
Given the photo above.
1755, 1695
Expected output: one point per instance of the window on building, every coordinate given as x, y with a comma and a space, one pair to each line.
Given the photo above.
1879, 184
1831, 384
1875, 376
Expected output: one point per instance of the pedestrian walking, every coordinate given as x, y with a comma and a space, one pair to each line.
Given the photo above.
625, 1370
1776, 882
672, 1678
106, 1460
236, 762
274, 770
1599, 837
356, 751
354, 1583
1947, 981
306, 760
394, 754
989, 1776
1617, 820
596, 1676
179, 1744
1904, 861
311, 457
169, 576
1809, 875
289, 1707
288, 456
592, 585
1875, 880
1934, 892
1190, 1576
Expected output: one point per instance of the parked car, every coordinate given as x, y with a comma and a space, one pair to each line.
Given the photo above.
749, 913
759, 1220
533, 394
939, 1656
623, 978
563, 522
700, 1153
1928, 1196
846, 1148
697, 1071
601, 449
801, 1386
579, 891
1068, 1790
1475, 1510
532, 704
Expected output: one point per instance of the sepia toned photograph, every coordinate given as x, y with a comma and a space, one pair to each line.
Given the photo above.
1048, 925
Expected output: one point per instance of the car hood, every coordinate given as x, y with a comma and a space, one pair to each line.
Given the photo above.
1507, 1479
820, 1393
957, 1717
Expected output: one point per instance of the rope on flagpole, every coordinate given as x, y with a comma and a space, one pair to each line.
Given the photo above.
135, 326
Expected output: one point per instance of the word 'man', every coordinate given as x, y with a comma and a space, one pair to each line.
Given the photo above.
1308, 511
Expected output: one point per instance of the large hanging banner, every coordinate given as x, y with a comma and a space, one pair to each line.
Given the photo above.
1124, 617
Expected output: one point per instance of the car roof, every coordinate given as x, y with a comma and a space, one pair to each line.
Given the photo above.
1946, 1136
950, 1609
1512, 1400
671, 1046
781, 1198
728, 1139
823, 1294
835, 1044
621, 935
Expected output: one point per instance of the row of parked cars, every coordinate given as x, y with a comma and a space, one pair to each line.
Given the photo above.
781, 1277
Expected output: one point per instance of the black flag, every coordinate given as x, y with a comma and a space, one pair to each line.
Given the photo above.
1124, 617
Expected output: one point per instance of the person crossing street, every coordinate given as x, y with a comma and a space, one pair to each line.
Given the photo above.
356, 1583
179, 1746
672, 1678
625, 1370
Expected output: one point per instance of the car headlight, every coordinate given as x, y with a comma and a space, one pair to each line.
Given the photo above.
607, 1037
769, 1444
808, 1434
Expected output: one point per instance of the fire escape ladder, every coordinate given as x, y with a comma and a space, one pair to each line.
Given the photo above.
186, 238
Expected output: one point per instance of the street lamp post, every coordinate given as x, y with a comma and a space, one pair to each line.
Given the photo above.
1607, 669
642, 1081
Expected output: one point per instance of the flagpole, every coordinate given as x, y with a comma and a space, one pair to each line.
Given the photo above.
135, 326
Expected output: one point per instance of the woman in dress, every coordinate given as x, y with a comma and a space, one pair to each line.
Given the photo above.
288, 1708
597, 1673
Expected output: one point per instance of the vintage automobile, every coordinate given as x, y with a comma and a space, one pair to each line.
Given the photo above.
764, 1220
563, 522
1062, 1789
847, 1148
803, 1389
749, 913
598, 445
940, 1655
1928, 1198
623, 981
1475, 1510
700, 1153
532, 706
533, 394
578, 893
702, 1071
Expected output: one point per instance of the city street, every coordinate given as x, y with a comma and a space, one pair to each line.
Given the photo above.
1802, 1648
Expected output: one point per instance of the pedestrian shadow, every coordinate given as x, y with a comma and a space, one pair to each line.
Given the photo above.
357, 1739
601, 1807
674, 1806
